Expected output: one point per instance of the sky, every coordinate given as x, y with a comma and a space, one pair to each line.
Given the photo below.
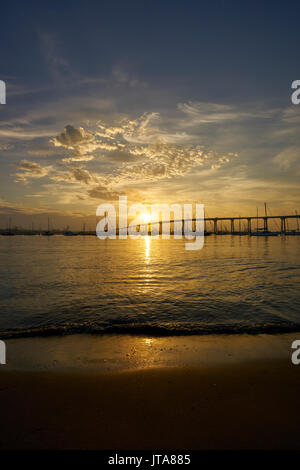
162, 101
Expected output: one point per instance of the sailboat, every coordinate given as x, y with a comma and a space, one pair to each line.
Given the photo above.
9, 232
48, 233
69, 233
263, 232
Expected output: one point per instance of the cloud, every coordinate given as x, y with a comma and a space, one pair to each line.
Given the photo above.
75, 175
19, 133
161, 161
103, 193
120, 155
122, 152
131, 151
78, 158
27, 170
10, 208
80, 141
72, 138
291, 115
288, 159
204, 113
42, 151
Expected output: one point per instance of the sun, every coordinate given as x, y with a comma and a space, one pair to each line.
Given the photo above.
146, 217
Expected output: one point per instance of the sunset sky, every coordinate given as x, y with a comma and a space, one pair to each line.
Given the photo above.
165, 101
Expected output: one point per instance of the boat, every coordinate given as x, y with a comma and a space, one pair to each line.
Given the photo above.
8, 232
292, 232
263, 232
48, 233
68, 233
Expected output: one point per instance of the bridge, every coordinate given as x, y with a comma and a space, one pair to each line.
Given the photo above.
217, 223
264, 219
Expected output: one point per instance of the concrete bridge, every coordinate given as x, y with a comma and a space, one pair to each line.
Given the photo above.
233, 221
249, 222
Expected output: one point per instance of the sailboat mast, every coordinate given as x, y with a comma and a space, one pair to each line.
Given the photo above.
266, 220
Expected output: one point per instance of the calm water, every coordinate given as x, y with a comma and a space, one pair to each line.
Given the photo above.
63, 284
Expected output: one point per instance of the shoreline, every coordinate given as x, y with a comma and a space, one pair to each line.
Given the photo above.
81, 352
178, 393
157, 331
233, 406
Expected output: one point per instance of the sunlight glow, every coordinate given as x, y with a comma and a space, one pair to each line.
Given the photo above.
147, 248
146, 217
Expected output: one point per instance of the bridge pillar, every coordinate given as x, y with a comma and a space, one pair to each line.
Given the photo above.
160, 228
215, 225
249, 225
283, 225
232, 225
265, 224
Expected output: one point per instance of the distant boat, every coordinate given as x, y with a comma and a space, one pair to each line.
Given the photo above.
9, 232
68, 233
48, 233
292, 232
263, 232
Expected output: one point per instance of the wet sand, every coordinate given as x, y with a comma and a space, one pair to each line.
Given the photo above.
245, 404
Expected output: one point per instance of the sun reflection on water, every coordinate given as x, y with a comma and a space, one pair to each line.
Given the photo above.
147, 249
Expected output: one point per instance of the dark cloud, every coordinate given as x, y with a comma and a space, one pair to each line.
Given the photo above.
71, 138
102, 193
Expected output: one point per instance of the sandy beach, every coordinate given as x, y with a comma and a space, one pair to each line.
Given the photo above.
237, 403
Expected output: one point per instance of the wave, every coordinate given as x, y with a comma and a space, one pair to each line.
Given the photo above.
146, 329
